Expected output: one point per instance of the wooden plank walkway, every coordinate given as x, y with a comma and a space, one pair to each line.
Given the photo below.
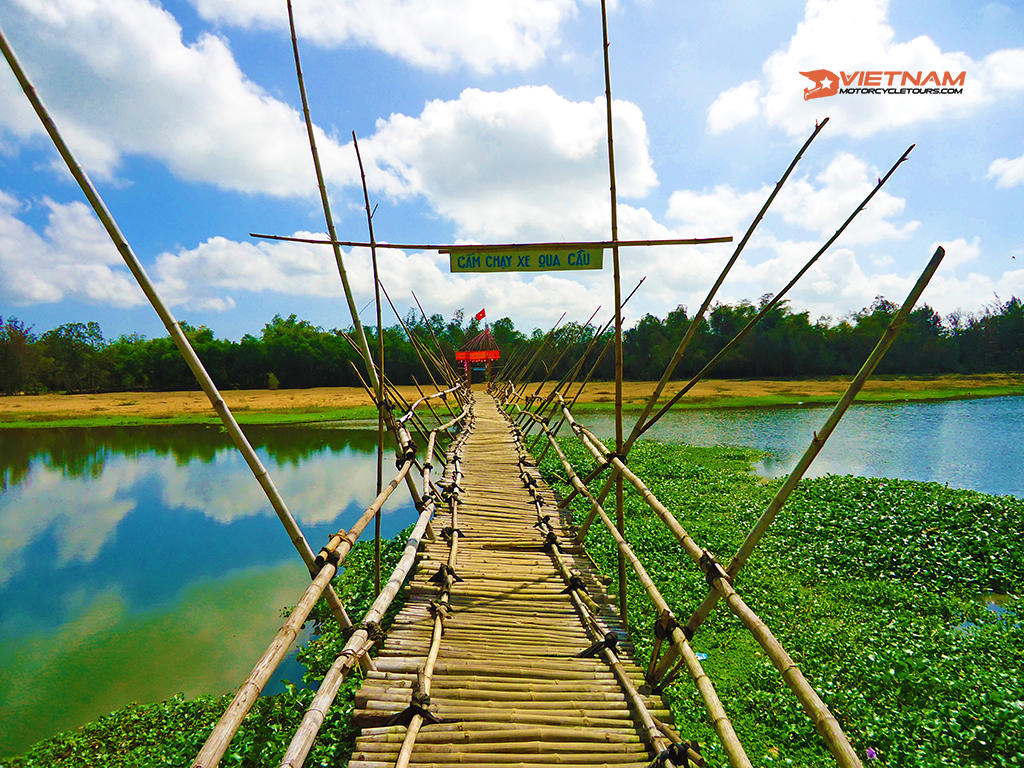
506, 673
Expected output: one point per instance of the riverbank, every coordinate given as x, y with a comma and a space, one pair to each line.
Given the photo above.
351, 404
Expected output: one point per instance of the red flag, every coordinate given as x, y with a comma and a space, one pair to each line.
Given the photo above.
481, 314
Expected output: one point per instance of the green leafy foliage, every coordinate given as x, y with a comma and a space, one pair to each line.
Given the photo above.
74, 357
873, 588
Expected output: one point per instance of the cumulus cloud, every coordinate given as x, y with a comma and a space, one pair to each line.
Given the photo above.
855, 36
72, 259
524, 162
513, 34
734, 106
120, 80
818, 207
1006, 172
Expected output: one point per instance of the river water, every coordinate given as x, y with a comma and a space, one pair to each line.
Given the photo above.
977, 444
136, 563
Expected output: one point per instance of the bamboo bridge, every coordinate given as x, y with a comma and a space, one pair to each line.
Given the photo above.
507, 650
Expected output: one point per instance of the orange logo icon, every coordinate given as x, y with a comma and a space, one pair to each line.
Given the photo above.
825, 84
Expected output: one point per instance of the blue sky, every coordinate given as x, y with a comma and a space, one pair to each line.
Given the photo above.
484, 122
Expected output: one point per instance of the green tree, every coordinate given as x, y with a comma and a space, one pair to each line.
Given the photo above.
17, 355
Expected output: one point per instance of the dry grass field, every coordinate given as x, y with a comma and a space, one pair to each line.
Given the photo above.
337, 402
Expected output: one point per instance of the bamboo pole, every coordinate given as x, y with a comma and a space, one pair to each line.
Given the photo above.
820, 437
380, 364
451, 377
776, 299
173, 329
716, 712
331, 556
357, 645
637, 432
364, 347
568, 244
619, 514
697, 318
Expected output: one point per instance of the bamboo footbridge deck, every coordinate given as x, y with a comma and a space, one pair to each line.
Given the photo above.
507, 670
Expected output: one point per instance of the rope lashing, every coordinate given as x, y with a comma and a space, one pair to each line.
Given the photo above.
575, 583
406, 715
544, 521
610, 457
448, 532
712, 570
664, 626
438, 607
551, 542
326, 556
445, 576
686, 754
374, 632
611, 642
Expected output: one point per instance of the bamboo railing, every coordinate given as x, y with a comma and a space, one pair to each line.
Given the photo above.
366, 633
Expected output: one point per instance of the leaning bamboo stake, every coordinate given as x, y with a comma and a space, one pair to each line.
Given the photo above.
776, 299
174, 330
825, 723
339, 260
818, 441
331, 556
437, 343
362, 639
695, 322
637, 432
719, 720
380, 364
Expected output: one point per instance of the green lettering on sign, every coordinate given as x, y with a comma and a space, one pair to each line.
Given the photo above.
526, 261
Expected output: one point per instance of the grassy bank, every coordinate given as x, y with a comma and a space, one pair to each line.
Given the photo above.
348, 404
867, 583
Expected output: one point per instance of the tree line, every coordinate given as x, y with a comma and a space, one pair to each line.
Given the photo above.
293, 353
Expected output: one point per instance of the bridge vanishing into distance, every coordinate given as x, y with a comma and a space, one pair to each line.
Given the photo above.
507, 649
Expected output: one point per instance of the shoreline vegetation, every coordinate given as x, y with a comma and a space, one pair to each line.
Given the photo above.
876, 587
327, 404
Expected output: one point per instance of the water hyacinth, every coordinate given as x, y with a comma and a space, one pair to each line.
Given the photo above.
871, 585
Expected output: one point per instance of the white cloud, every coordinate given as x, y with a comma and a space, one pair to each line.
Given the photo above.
734, 106
958, 252
854, 36
513, 34
820, 207
73, 259
120, 80
1008, 173
722, 211
524, 162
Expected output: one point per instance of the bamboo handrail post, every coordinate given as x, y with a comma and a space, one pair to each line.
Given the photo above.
226, 728
380, 364
437, 342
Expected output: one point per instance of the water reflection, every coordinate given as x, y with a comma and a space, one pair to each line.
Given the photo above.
145, 561
976, 444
